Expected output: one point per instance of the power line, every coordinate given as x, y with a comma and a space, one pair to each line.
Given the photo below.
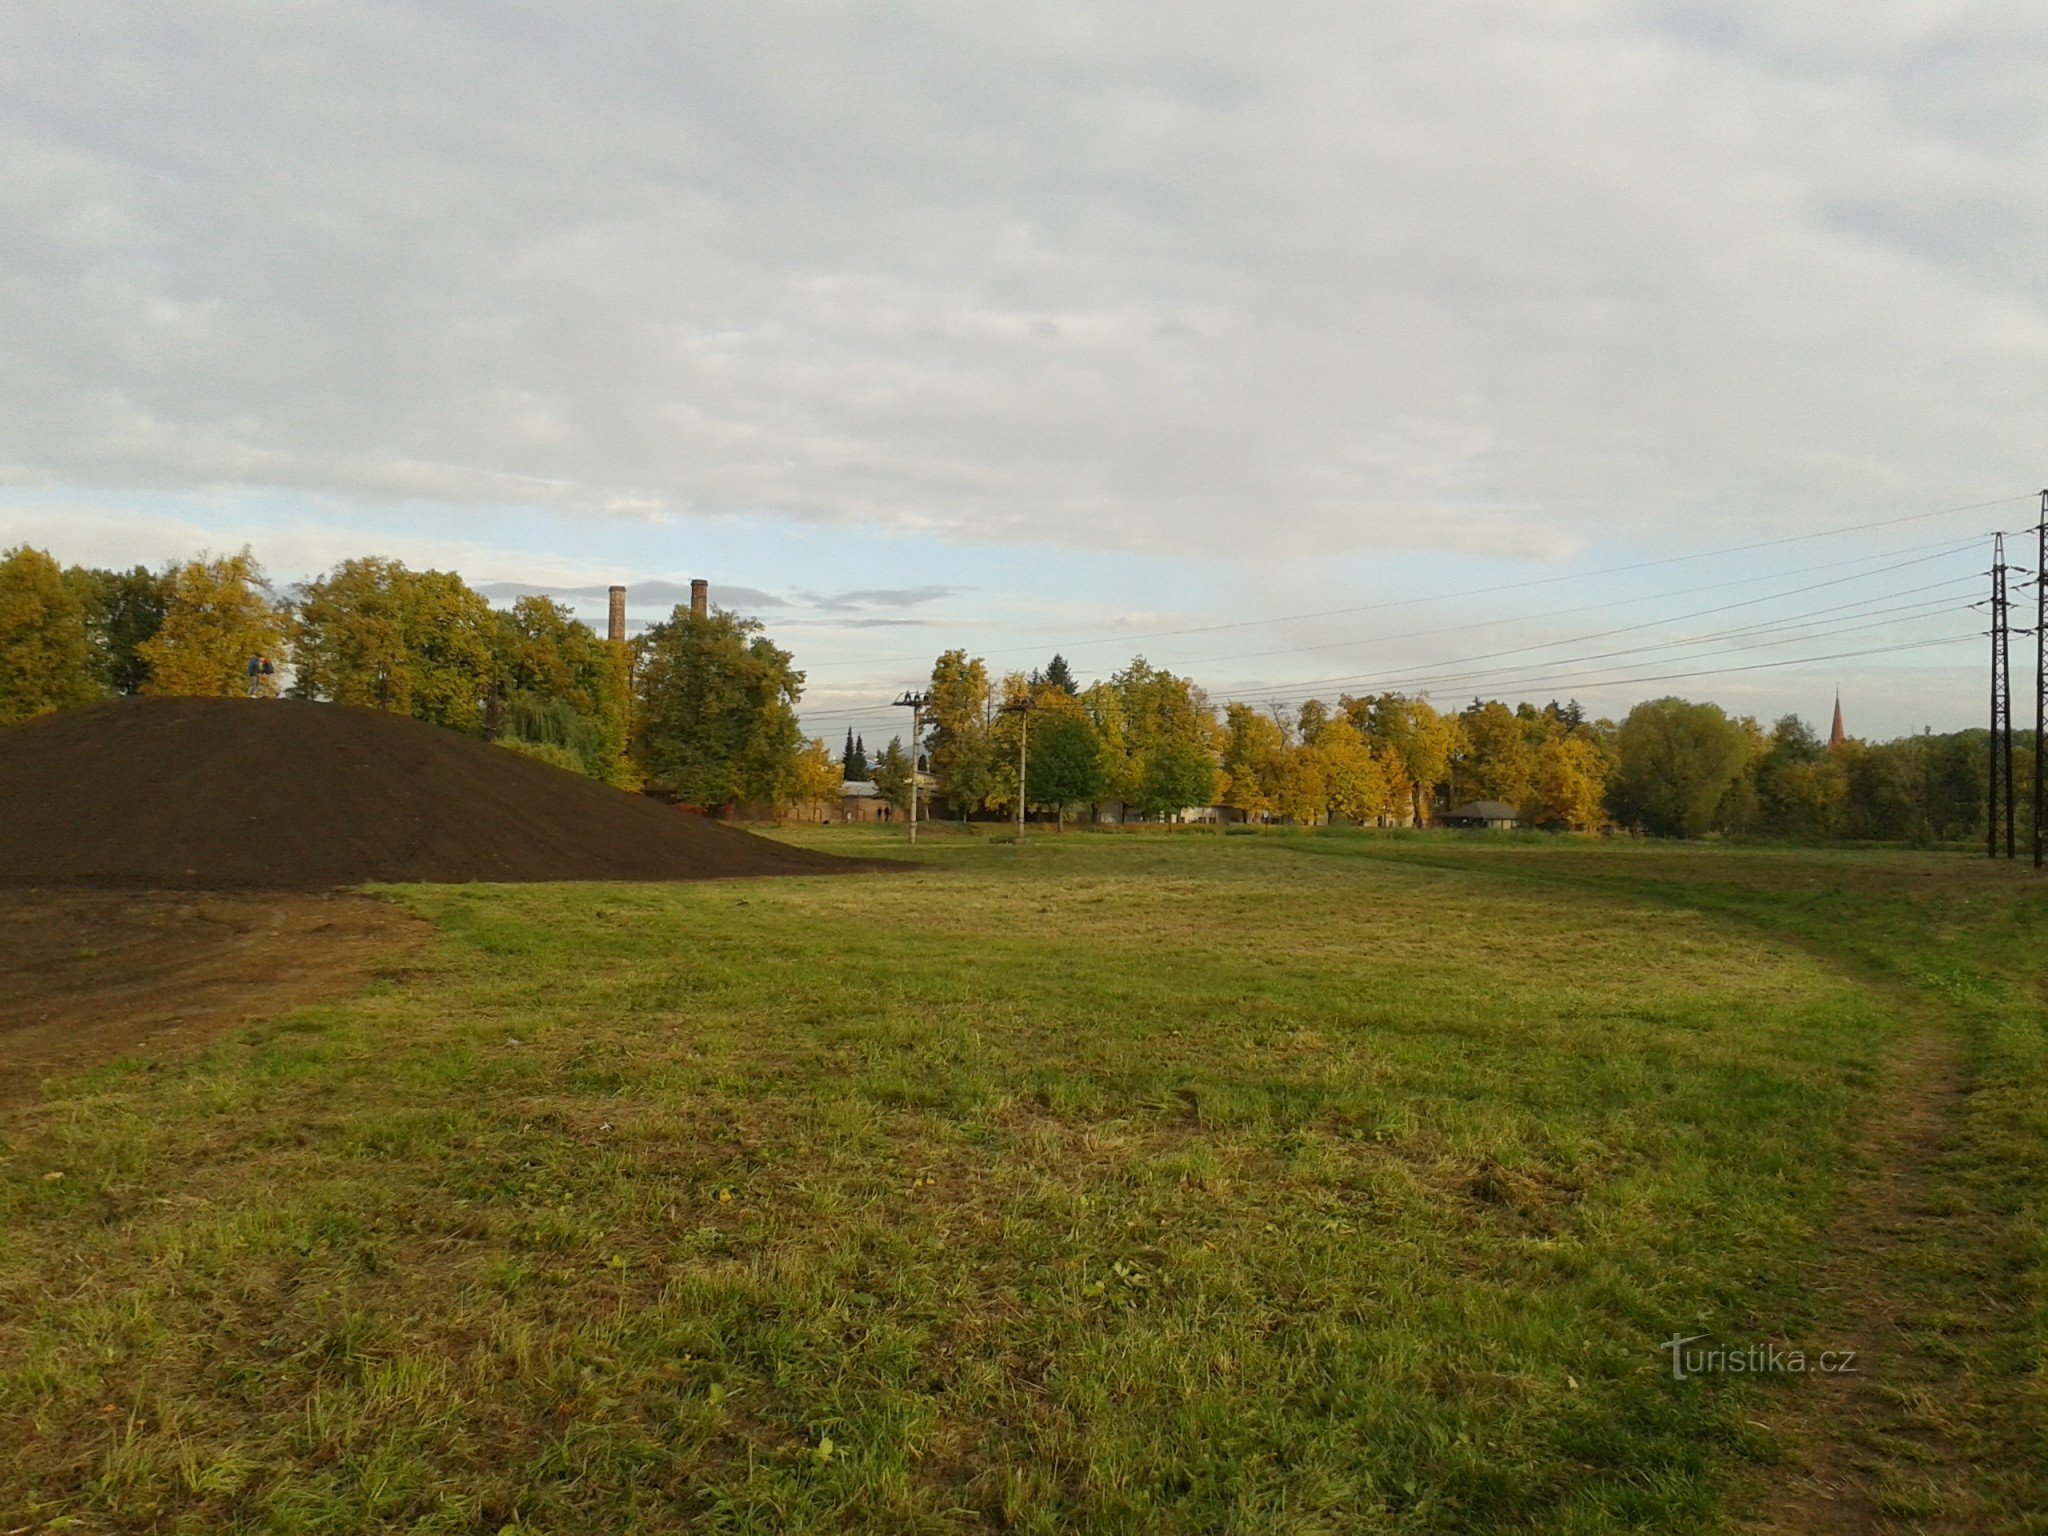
1517, 586
1424, 674
1627, 629
1751, 635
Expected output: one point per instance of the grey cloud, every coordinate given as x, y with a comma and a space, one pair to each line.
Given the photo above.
1273, 281
878, 597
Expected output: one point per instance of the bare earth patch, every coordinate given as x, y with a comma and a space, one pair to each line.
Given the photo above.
86, 976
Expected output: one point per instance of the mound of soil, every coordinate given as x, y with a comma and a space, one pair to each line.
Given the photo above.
276, 794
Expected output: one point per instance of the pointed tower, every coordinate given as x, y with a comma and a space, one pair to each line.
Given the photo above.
1836, 735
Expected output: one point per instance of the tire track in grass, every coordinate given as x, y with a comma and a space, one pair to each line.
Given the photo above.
1883, 1448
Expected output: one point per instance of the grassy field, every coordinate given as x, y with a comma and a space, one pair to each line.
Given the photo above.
1103, 1182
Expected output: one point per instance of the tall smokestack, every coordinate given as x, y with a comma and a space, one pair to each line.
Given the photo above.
700, 597
616, 632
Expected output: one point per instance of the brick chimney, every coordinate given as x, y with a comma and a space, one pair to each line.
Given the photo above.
616, 630
700, 597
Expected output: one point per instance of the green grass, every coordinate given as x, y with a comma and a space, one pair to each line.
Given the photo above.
1192, 1183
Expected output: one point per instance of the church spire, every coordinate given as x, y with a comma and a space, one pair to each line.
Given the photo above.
1836, 735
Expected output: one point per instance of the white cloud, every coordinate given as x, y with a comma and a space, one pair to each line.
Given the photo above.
1256, 282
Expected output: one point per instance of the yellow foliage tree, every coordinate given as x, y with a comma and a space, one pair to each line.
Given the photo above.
1570, 784
217, 617
819, 777
1253, 754
1356, 785
45, 656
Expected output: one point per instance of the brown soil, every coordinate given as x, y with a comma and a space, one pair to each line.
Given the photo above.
88, 976
224, 794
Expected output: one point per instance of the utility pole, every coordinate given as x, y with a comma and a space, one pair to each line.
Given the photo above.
1021, 708
915, 703
2040, 675
2001, 703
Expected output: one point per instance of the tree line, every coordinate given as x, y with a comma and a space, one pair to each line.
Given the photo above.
1152, 743
703, 710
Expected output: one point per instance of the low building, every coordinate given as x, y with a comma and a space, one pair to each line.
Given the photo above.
1493, 814
859, 800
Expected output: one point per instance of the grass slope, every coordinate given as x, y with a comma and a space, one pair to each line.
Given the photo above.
1107, 1183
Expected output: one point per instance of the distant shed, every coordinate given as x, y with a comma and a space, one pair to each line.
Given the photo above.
1495, 814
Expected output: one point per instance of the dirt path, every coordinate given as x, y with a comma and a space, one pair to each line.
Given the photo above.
1883, 1449
86, 976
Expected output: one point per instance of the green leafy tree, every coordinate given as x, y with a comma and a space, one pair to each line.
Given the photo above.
1678, 761
1178, 774
45, 658
960, 745
122, 610
716, 717
217, 615
548, 654
859, 768
1065, 768
420, 643
892, 778
1061, 676
1138, 713
1800, 788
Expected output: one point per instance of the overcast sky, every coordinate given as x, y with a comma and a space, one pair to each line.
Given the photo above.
1063, 326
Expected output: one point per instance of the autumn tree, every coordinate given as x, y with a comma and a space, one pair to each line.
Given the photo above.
1298, 785
1414, 743
1355, 785
45, 658
1677, 762
1493, 759
1253, 749
218, 613
959, 745
818, 780
715, 722
1568, 787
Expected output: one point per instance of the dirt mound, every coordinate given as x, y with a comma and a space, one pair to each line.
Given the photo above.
275, 794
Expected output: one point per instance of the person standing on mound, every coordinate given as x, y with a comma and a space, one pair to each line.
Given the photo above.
259, 668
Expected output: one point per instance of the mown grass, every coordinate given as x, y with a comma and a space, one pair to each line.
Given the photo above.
1097, 1183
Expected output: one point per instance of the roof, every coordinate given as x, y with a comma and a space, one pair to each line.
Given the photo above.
1485, 810
859, 789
